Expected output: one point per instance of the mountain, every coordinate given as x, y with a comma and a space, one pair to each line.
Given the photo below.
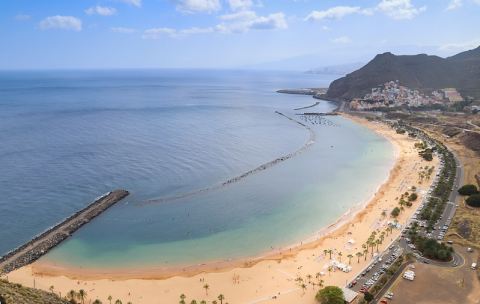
472, 54
338, 56
342, 69
461, 71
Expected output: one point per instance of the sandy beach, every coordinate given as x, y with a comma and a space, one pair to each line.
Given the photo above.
274, 273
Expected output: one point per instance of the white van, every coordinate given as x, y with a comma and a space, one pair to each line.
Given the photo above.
474, 265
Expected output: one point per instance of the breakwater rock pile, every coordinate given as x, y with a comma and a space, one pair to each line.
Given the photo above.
311, 140
44, 242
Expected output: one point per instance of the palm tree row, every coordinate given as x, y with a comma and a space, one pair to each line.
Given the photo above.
81, 295
221, 297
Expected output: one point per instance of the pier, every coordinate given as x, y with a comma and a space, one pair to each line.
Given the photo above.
44, 242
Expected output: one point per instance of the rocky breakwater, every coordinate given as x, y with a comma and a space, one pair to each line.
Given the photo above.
41, 244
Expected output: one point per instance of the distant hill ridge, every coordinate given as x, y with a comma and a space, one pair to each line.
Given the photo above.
461, 71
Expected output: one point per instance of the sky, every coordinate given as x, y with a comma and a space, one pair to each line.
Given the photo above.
86, 34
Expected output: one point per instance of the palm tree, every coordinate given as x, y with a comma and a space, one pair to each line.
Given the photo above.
364, 246
203, 302
72, 294
110, 299
388, 230
325, 251
358, 254
309, 277
372, 244
97, 301
365, 252
329, 269
51, 288
304, 287
367, 245
193, 302
330, 252
118, 302
349, 259
384, 214
82, 294
221, 297
378, 243
129, 303
317, 275
402, 209
206, 286
182, 299
214, 302
320, 283
299, 280
340, 256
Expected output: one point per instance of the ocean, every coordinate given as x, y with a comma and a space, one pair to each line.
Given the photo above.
70, 136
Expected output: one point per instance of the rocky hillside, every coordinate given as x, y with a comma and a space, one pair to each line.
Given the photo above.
13, 293
461, 71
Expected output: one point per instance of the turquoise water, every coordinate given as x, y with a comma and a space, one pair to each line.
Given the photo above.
71, 136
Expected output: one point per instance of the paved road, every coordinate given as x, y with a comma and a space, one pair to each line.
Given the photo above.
400, 272
447, 216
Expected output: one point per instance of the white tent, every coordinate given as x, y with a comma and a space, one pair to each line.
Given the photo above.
351, 241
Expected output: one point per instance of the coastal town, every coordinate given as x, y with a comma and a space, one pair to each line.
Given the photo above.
393, 95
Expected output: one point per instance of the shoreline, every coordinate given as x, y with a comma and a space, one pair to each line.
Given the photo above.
273, 273
309, 242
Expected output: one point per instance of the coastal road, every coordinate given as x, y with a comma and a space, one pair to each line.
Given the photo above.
454, 200
447, 216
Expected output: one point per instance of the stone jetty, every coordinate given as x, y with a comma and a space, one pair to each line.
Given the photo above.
42, 243
244, 175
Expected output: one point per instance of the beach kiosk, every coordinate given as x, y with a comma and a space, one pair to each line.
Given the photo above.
351, 241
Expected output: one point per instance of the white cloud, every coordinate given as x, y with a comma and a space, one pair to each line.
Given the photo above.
104, 11
155, 33
271, 22
463, 46
240, 4
343, 39
333, 13
93, 25
383, 41
454, 4
137, 3
325, 28
197, 6
244, 15
21, 17
399, 9
61, 22
196, 30
122, 30
367, 11
241, 22
458, 3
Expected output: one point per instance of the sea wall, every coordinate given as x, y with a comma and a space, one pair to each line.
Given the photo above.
44, 242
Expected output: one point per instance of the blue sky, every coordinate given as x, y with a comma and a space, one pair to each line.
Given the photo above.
61, 34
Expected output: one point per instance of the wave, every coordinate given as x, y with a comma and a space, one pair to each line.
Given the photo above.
267, 165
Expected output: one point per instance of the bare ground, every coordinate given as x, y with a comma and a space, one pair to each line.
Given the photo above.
437, 285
